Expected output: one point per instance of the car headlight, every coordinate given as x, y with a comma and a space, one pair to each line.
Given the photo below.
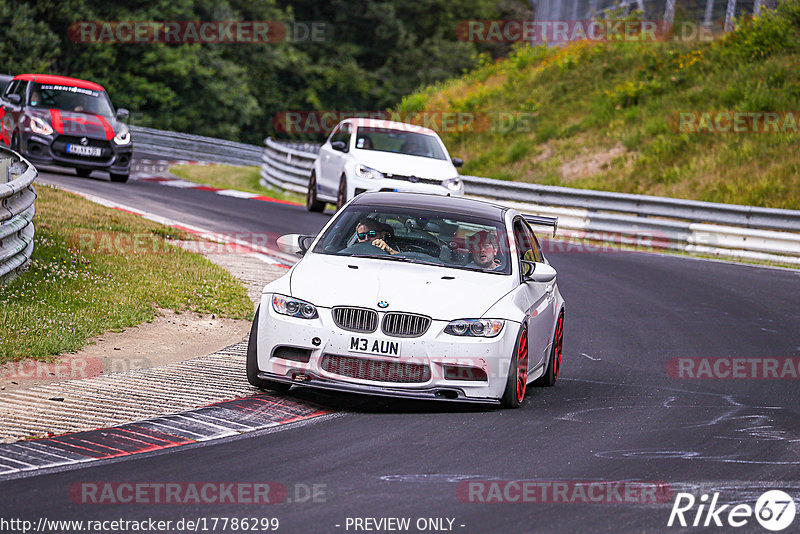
453, 184
123, 137
474, 327
40, 127
294, 307
362, 171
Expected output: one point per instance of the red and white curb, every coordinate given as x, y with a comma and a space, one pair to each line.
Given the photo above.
184, 184
157, 171
218, 420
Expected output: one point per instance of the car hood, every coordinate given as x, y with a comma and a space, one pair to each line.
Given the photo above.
77, 124
330, 281
405, 165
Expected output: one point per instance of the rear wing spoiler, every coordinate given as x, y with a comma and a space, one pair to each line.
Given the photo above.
542, 221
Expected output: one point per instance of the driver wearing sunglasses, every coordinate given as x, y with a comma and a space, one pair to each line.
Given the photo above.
370, 231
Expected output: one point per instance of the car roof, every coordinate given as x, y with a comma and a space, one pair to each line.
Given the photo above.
446, 204
389, 125
59, 80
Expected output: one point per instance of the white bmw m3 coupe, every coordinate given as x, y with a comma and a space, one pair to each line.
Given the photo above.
417, 296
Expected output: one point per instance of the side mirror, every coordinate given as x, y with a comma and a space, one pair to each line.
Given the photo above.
295, 243
14, 99
458, 162
537, 272
341, 146
123, 114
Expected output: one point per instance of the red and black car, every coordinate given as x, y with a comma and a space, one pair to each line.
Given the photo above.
68, 122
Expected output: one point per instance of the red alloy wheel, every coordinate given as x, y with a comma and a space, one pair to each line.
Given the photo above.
522, 365
559, 341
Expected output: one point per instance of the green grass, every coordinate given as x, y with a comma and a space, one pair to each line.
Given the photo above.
229, 177
602, 115
96, 269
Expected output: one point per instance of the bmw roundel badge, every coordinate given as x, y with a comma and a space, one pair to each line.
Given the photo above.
383, 304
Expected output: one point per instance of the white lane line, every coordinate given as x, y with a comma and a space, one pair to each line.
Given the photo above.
177, 183
593, 359
235, 193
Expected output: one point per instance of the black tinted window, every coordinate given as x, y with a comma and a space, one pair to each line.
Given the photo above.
10, 88
20, 90
342, 134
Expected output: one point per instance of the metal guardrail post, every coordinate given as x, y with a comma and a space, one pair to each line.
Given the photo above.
669, 12
708, 14
16, 214
730, 13
5, 169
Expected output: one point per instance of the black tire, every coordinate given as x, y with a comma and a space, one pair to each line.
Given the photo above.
14, 142
83, 173
550, 376
517, 382
341, 196
118, 178
252, 363
312, 204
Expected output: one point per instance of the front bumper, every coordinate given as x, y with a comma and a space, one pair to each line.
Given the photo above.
456, 368
44, 150
360, 185
451, 394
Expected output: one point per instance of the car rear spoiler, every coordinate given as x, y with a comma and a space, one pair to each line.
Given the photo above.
542, 221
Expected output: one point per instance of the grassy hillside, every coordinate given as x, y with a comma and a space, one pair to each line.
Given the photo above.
604, 115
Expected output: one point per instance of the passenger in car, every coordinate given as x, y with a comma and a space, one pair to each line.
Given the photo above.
484, 248
374, 232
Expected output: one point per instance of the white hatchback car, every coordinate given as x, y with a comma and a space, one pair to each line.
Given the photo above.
377, 155
415, 296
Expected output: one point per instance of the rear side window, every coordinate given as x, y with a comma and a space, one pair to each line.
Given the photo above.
527, 246
535, 247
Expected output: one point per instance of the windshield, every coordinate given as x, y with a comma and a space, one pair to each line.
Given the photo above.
418, 236
68, 98
399, 142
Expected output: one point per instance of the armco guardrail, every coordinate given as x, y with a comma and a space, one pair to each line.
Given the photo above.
287, 165
16, 213
687, 225
192, 147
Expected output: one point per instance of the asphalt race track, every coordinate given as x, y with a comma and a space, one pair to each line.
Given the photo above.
619, 412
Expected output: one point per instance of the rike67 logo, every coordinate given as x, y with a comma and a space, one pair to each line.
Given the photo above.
774, 510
